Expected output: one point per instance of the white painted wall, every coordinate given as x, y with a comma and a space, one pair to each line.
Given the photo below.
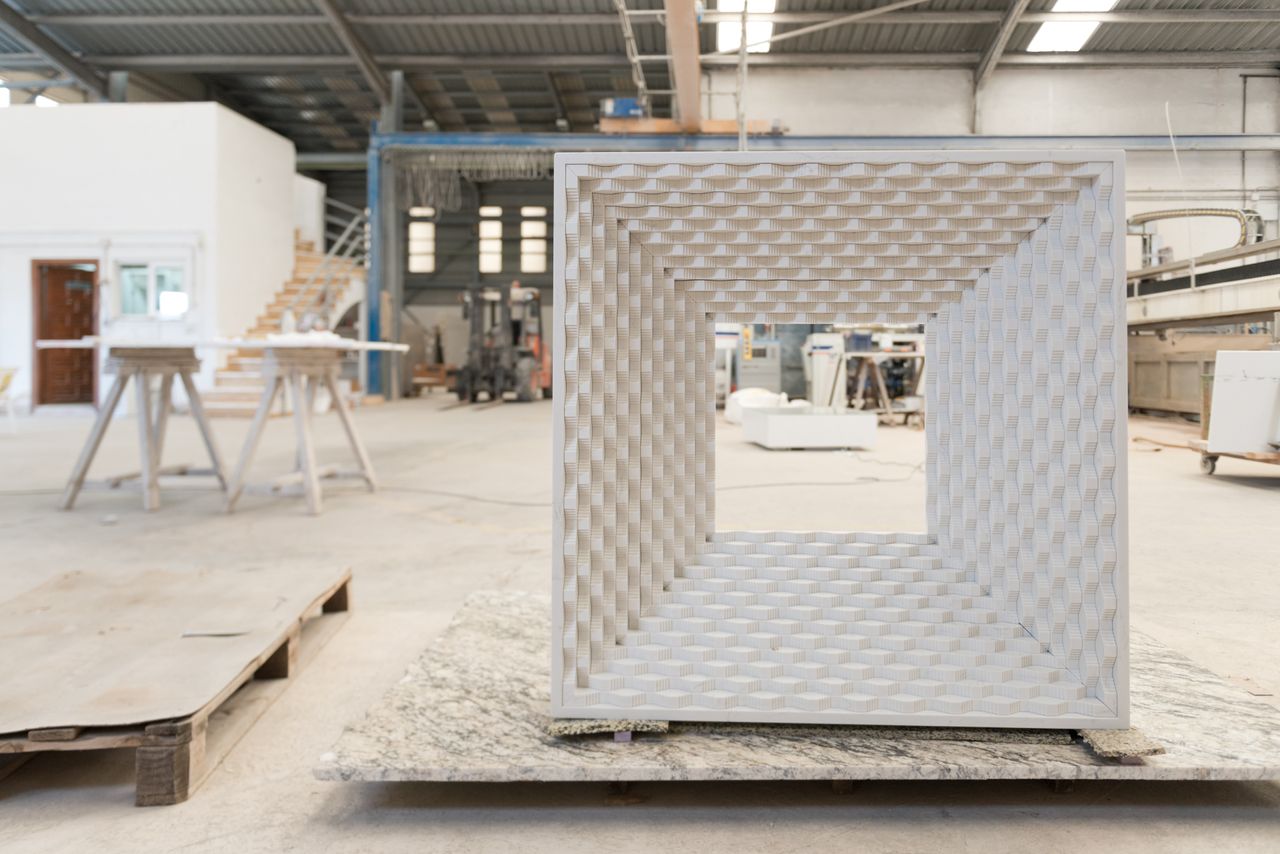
253, 253
114, 182
921, 102
308, 209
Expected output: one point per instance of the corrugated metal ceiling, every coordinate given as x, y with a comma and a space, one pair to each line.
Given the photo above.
333, 109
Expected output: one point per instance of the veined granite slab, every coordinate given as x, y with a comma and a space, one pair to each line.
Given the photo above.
473, 708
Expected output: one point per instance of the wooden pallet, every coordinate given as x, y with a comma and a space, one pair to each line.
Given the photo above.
173, 757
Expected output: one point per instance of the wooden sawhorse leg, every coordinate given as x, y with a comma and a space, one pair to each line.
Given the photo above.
95, 438
251, 442
348, 424
302, 390
206, 432
148, 441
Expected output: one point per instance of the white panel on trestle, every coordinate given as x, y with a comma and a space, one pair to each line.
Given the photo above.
1011, 609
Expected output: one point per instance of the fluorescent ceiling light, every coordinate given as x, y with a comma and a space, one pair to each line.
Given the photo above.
1068, 36
729, 33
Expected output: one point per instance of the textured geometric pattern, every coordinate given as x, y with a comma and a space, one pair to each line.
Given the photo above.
1010, 610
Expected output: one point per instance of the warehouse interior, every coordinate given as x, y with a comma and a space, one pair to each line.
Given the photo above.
332, 368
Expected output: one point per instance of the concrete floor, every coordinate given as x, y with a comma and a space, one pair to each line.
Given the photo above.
465, 506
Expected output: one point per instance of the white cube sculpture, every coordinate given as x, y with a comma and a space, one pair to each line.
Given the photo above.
1011, 609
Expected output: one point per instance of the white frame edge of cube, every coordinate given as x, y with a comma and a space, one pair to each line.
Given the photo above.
1097, 640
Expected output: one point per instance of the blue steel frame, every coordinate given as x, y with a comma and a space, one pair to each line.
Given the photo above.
382, 142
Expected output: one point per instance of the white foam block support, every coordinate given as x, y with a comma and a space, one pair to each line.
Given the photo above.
794, 427
1011, 609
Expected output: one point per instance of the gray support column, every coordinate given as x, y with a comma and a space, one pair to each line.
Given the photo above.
118, 86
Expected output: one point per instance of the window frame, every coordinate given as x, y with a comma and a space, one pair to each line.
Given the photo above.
152, 263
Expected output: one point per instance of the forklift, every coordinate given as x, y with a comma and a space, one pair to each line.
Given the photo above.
506, 350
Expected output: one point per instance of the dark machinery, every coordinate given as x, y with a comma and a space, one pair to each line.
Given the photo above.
507, 351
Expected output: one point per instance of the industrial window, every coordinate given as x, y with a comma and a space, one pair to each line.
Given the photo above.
490, 239
422, 240
39, 100
153, 290
533, 240
729, 33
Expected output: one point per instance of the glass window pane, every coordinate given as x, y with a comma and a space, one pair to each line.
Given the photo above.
533, 228
533, 263
422, 230
529, 247
422, 211
490, 228
490, 211
169, 279
422, 247
491, 246
533, 211
422, 263
490, 262
133, 289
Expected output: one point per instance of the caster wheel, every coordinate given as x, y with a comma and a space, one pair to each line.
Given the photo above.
1208, 464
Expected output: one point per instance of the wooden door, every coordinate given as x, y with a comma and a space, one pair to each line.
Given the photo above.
65, 307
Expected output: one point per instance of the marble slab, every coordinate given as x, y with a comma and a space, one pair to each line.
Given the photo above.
473, 708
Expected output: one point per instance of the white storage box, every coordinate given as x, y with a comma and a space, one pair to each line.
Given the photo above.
792, 427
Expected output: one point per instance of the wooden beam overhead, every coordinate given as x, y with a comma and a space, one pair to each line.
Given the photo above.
686, 68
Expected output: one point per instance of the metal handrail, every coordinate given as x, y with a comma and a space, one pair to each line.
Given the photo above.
316, 296
1235, 253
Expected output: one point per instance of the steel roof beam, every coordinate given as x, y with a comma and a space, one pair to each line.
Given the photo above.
1103, 59
304, 64
655, 17
355, 46
995, 48
13, 21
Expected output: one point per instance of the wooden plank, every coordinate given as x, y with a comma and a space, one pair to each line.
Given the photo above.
105, 739
66, 733
755, 127
91, 652
9, 764
282, 663
339, 601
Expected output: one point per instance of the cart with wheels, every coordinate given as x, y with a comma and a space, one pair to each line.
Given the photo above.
1209, 459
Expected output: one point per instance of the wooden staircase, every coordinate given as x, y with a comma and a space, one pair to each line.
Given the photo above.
238, 385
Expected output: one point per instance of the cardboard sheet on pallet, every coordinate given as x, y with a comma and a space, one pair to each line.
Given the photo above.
85, 650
